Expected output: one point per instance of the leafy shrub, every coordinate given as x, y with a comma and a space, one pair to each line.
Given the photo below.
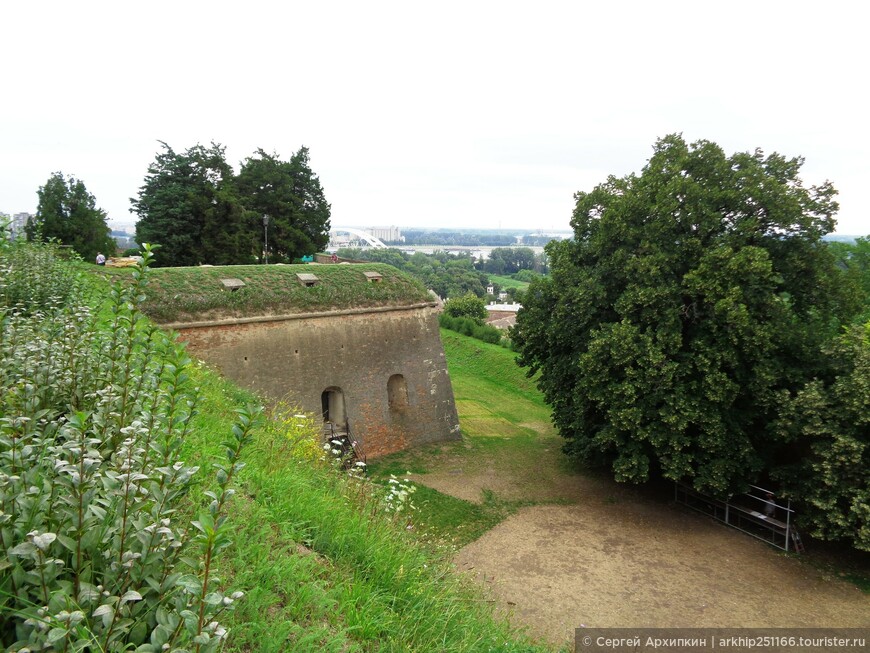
92, 519
467, 306
526, 276
32, 278
469, 327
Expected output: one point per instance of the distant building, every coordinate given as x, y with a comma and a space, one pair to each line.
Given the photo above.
19, 222
502, 316
386, 233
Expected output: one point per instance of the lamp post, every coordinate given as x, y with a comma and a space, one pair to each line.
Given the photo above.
266, 238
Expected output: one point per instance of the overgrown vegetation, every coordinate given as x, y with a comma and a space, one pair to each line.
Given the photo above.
176, 294
466, 315
106, 548
468, 305
100, 556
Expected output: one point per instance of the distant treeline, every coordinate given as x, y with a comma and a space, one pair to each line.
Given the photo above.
453, 275
449, 275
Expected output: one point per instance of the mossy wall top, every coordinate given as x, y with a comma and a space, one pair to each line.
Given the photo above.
197, 293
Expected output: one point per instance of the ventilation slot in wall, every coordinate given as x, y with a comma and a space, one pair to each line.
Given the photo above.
307, 280
233, 284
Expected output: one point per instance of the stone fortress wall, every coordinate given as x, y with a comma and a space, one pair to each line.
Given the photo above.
380, 371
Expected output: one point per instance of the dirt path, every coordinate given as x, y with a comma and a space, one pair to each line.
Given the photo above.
615, 557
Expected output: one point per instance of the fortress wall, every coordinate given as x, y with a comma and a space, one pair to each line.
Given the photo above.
297, 359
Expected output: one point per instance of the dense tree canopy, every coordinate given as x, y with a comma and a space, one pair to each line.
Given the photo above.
510, 260
694, 301
199, 211
67, 212
831, 416
189, 204
290, 194
854, 259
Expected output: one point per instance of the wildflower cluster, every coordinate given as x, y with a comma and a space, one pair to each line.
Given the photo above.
92, 420
340, 452
398, 496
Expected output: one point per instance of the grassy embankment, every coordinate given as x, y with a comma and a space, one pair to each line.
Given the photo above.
178, 294
508, 282
505, 422
324, 567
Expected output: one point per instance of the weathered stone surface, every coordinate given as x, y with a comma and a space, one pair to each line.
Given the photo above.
233, 284
297, 359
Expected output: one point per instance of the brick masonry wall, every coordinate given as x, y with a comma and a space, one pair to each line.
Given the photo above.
296, 360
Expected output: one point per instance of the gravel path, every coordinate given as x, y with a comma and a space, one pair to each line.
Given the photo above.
616, 557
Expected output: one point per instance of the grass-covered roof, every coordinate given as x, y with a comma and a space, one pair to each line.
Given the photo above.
191, 294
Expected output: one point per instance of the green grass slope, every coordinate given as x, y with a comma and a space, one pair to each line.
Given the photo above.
505, 424
323, 565
196, 293
508, 282
493, 395
325, 569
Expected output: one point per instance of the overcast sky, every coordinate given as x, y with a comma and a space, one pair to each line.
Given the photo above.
435, 114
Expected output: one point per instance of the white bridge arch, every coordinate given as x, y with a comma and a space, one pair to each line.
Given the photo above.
367, 238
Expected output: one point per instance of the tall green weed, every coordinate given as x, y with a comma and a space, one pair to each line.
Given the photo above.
99, 553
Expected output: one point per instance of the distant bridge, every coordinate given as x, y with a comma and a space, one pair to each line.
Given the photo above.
361, 235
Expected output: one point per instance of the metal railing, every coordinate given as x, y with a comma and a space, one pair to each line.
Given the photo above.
350, 452
755, 513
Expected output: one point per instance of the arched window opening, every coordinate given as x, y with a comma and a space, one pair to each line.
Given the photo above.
397, 393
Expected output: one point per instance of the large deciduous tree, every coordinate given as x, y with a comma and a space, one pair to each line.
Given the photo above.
693, 301
190, 205
831, 416
68, 213
290, 194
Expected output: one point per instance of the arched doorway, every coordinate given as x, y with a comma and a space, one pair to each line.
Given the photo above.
332, 405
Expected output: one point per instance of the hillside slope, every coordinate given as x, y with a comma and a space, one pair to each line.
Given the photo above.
324, 564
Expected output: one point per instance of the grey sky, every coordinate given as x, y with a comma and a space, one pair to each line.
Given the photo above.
447, 114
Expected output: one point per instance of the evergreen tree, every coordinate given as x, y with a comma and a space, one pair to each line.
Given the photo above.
289, 192
189, 205
67, 212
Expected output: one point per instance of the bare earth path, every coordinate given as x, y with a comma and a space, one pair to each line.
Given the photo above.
614, 557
